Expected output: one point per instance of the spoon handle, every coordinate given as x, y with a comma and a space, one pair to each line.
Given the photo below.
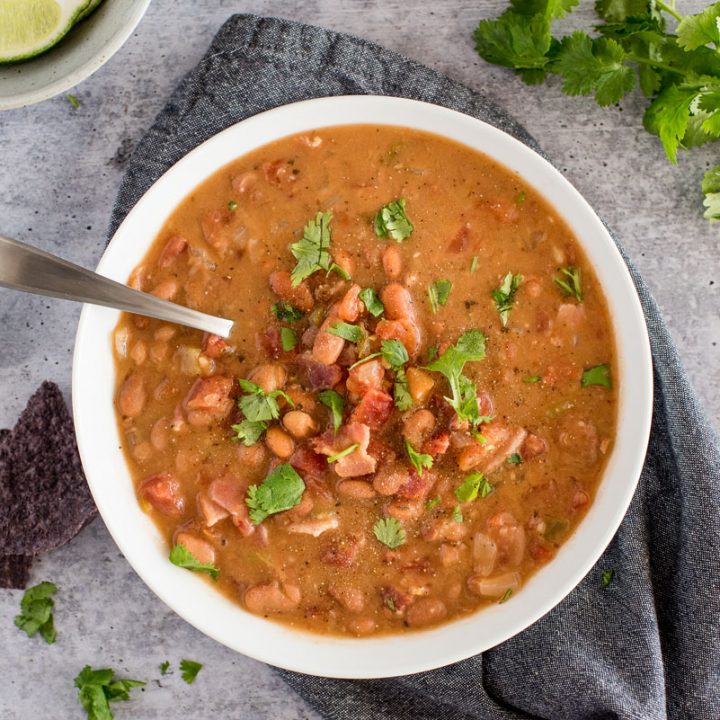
23, 267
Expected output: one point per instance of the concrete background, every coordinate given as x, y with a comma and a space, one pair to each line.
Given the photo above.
59, 172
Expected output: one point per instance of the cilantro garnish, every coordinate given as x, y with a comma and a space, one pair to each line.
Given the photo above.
419, 460
433, 502
572, 285
606, 578
73, 101
248, 432
393, 352
504, 296
350, 449
401, 393
390, 532
515, 459
598, 375
189, 670
259, 406
711, 190
506, 596
351, 333
232, 205
183, 558
457, 515
312, 251
336, 403
372, 302
288, 339
439, 292
532, 379
391, 220
36, 611
474, 264
164, 667
281, 490
286, 312
341, 271
98, 688
679, 72
473, 485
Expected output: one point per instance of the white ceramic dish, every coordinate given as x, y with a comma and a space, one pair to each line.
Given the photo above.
86, 47
196, 600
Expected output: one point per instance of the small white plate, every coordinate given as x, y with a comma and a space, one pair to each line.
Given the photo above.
195, 599
78, 55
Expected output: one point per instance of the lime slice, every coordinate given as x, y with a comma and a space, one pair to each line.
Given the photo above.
29, 27
91, 6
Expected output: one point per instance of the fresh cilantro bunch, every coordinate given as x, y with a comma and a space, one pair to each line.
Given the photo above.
679, 72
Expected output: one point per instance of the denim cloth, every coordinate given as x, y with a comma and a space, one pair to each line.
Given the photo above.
647, 646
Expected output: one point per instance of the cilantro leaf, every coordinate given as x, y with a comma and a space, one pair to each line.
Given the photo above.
419, 460
401, 392
351, 333
372, 302
281, 490
98, 688
473, 485
711, 190
259, 406
514, 40
470, 347
312, 251
394, 353
515, 459
248, 432
346, 451
189, 670
619, 10
439, 292
36, 612
573, 285
606, 578
288, 339
393, 221
182, 557
598, 375
164, 667
550, 8
506, 596
474, 264
390, 532
457, 515
532, 379
286, 312
693, 31
504, 296
336, 403
433, 502
668, 115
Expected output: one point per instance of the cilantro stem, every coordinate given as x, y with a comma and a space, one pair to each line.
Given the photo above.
670, 10
653, 63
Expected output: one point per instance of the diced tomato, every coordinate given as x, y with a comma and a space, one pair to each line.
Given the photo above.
374, 409
369, 375
350, 306
162, 491
214, 346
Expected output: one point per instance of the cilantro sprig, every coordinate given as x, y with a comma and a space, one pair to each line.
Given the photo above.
570, 282
281, 490
36, 612
390, 532
393, 221
336, 404
98, 688
183, 558
438, 294
420, 461
504, 296
189, 670
312, 250
678, 72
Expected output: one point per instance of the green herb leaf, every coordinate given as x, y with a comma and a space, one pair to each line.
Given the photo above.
232, 205
36, 611
419, 460
183, 558
341, 271
312, 251
350, 449
532, 379
693, 31
668, 116
286, 312
392, 220
473, 485
606, 578
259, 406
281, 490
711, 190
506, 596
288, 339
189, 670
336, 403
432, 353
390, 532
457, 515
73, 101
248, 432
401, 393
433, 502
439, 292
394, 353
504, 296
515, 459
571, 286
474, 264
372, 302
598, 375
98, 688
164, 667
351, 333
619, 10
514, 40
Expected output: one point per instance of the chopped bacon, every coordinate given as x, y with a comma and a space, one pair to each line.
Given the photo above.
396, 601
269, 342
533, 446
308, 463
214, 225
229, 493
343, 551
369, 375
350, 306
243, 182
173, 247
214, 346
162, 491
417, 486
319, 376
374, 409
300, 296
501, 441
210, 395
314, 526
437, 445
579, 438
278, 171
211, 512
356, 463
461, 241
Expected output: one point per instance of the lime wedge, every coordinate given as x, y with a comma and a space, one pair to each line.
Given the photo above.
29, 27
91, 6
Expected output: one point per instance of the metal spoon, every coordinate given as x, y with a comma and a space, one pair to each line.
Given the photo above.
23, 267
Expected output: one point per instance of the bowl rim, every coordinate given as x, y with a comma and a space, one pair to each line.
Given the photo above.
89, 67
386, 655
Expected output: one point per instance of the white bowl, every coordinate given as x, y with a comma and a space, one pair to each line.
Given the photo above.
196, 600
78, 55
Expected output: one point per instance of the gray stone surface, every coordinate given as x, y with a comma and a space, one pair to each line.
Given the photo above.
59, 172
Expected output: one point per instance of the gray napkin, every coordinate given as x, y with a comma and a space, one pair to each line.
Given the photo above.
647, 646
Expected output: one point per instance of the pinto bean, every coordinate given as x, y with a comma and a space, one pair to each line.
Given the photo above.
398, 302
355, 489
445, 530
405, 510
159, 434
201, 549
166, 290
350, 306
139, 352
164, 333
173, 247
300, 296
417, 426
327, 347
269, 377
272, 597
509, 536
390, 478
351, 598
362, 626
299, 424
449, 554
252, 459
279, 442
426, 611
142, 451
132, 396
495, 586
392, 262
